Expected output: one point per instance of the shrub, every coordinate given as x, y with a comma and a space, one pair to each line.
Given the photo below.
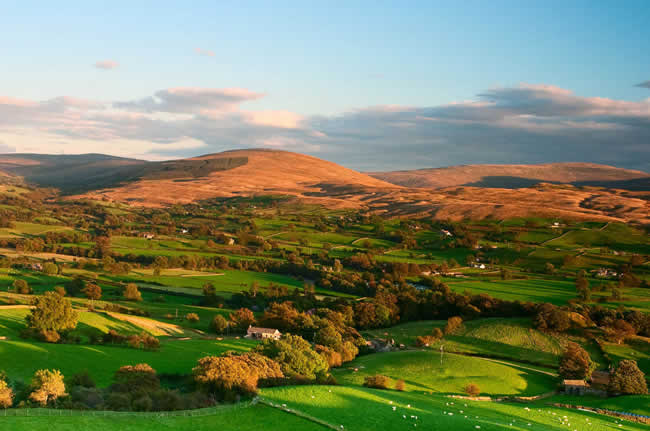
377, 381
399, 385
628, 379
82, 379
192, 317
60, 290
49, 336
135, 378
472, 390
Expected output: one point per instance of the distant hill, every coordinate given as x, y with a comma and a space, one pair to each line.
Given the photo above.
247, 172
85, 172
519, 176
468, 192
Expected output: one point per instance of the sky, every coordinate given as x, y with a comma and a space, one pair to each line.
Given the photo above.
374, 85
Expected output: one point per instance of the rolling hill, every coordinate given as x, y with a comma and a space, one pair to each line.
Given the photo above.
519, 176
258, 172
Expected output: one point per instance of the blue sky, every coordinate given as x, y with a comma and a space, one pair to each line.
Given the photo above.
319, 59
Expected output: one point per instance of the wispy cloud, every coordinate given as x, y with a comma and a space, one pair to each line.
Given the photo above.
645, 84
521, 124
106, 64
204, 52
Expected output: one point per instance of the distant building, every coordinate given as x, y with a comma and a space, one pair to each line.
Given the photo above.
575, 387
600, 379
148, 235
262, 333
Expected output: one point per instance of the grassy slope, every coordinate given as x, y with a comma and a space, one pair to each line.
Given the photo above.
241, 419
362, 409
174, 356
422, 371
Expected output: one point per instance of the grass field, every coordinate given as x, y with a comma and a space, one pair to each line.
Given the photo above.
422, 371
534, 290
361, 409
251, 418
513, 339
101, 361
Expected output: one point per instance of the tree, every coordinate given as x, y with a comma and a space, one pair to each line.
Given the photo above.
50, 268
549, 268
52, 312
295, 356
230, 375
131, 293
219, 324
549, 317
47, 385
241, 319
453, 324
575, 363
6, 394
619, 331
472, 390
582, 286
92, 291
627, 378
21, 286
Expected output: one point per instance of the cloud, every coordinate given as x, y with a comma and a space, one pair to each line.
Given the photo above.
521, 124
204, 52
106, 64
645, 84
191, 100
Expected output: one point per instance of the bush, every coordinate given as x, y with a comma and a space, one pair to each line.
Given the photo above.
49, 336
399, 385
472, 390
82, 379
377, 381
192, 317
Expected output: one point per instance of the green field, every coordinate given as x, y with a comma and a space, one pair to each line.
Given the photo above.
357, 408
226, 418
422, 371
101, 361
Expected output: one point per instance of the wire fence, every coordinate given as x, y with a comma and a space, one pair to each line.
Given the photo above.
40, 412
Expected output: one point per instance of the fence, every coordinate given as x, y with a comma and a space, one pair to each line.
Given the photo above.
39, 412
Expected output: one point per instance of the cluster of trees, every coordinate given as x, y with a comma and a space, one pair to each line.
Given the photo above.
134, 388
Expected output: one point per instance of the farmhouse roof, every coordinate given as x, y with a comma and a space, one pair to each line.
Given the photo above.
575, 383
262, 330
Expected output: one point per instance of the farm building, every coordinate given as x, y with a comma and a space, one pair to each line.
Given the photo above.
262, 333
600, 378
575, 387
